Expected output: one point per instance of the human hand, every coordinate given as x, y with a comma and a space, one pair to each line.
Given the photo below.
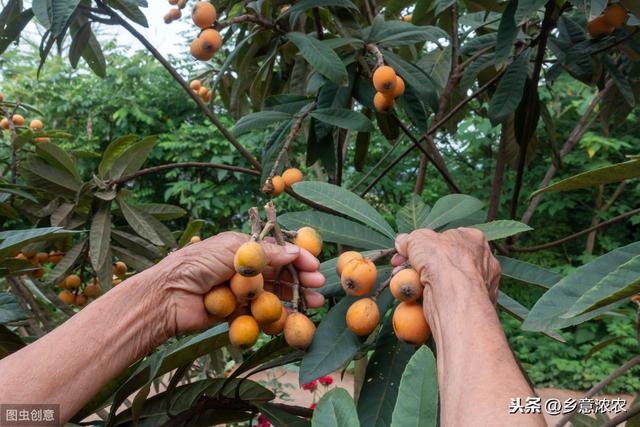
448, 260
192, 271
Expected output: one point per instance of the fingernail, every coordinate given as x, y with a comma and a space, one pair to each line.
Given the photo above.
291, 249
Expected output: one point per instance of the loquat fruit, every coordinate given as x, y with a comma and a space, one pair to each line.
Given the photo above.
173, 2
266, 307
115, 281
38, 272
407, 18
615, 15
72, 281
384, 79
18, 120
406, 286
278, 184
175, 14
55, 257
4, 123
240, 310
635, 299
204, 14
220, 301
274, 328
363, 316
598, 27
66, 297
119, 268
42, 257
246, 288
42, 140
194, 240
359, 277
291, 176
167, 18
207, 96
80, 300
244, 331
182, 4
195, 85
298, 331
202, 92
198, 52
383, 102
250, 259
36, 124
1, 97
309, 239
410, 324
21, 256
345, 258
211, 40
93, 289
399, 89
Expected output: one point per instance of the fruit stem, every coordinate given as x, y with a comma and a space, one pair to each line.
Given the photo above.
384, 285
381, 254
374, 49
256, 223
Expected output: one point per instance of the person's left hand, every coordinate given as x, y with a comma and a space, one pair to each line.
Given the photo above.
189, 273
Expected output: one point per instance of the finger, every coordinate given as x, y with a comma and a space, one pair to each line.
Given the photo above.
313, 299
312, 279
280, 255
306, 261
402, 240
397, 260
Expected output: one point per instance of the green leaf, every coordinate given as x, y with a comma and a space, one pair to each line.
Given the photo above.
132, 158
547, 313
113, 151
41, 174
10, 309
140, 221
100, 235
412, 215
162, 211
528, 273
417, 403
321, 57
192, 229
336, 229
130, 10
335, 409
17, 239
68, 260
417, 79
500, 229
345, 202
450, 208
399, 33
520, 312
605, 175
302, 6
442, 5
13, 30
526, 8
334, 345
510, 89
9, 342
137, 245
54, 14
133, 259
621, 283
620, 80
274, 348
344, 118
80, 33
259, 120
382, 379
507, 32
280, 417
94, 57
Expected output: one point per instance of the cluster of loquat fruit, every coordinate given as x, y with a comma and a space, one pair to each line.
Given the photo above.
39, 259
278, 183
19, 121
249, 308
74, 292
358, 275
389, 87
203, 92
614, 16
174, 13
209, 41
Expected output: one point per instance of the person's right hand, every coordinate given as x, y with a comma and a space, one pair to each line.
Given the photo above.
455, 261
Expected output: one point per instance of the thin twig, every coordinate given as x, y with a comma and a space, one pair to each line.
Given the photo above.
376, 52
578, 234
248, 18
318, 23
384, 285
185, 165
618, 420
382, 253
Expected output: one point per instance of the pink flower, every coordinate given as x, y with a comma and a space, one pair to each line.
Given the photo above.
312, 386
263, 421
313, 405
326, 380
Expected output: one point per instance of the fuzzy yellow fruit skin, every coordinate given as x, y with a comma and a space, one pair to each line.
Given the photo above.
383, 102
120, 268
359, 277
250, 259
246, 288
274, 328
93, 289
299, 331
278, 185
363, 316
345, 258
220, 301
616, 15
598, 27
66, 297
291, 176
410, 324
244, 331
266, 307
405, 285
309, 239
72, 281
384, 79
204, 14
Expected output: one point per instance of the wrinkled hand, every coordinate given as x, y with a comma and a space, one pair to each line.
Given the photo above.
446, 259
191, 272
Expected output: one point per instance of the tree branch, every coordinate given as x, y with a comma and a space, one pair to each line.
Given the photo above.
185, 165
498, 177
578, 234
248, 18
529, 126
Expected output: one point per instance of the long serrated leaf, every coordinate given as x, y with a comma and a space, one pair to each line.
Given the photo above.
345, 202
132, 158
259, 120
510, 89
412, 215
335, 409
321, 57
450, 208
344, 118
500, 229
139, 221
507, 32
528, 273
100, 235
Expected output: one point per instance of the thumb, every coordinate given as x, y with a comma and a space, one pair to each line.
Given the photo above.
278, 255
402, 240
